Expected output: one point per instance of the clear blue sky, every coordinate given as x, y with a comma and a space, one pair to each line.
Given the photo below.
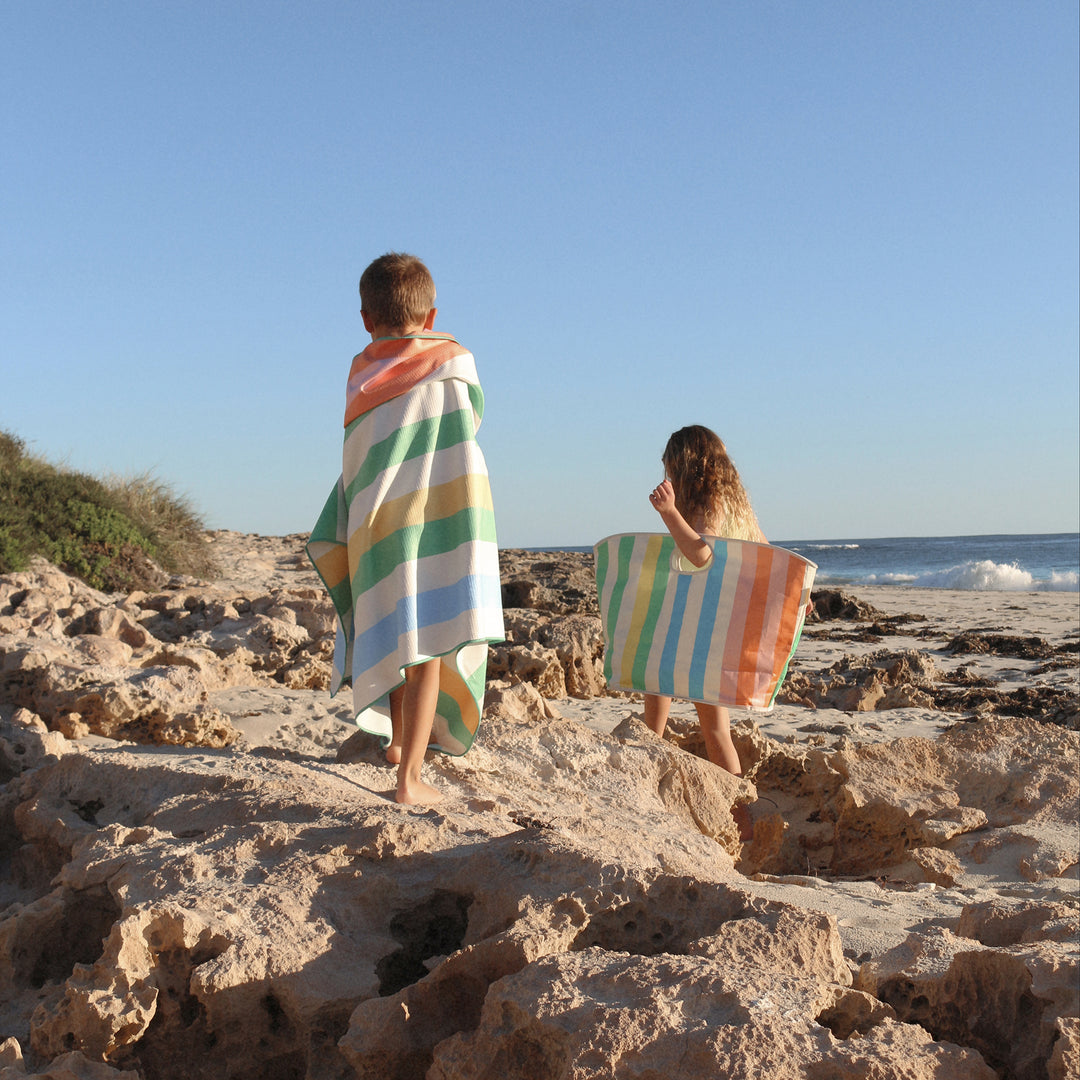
844, 235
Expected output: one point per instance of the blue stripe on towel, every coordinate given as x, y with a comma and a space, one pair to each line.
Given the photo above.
707, 622
671, 643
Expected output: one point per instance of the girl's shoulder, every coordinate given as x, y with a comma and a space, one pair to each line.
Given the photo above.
736, 526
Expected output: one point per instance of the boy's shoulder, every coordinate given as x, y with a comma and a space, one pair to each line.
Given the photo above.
403, 347
392, 367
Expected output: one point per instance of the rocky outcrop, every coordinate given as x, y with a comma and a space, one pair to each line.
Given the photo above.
1007, 1003
831, 604
146, 667
912, 678
560, 656
73, 1066
581, 905
882, 680
557, 582
142, 667
554, 640
917, 809
590, 1014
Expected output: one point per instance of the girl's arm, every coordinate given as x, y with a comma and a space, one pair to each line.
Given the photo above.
686, 539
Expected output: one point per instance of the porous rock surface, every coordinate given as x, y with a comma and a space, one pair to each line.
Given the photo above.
579, 906
575, 902
143, 666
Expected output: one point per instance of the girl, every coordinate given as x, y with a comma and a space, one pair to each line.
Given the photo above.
701, 493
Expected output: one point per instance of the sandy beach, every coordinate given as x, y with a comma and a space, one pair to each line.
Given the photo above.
196, 829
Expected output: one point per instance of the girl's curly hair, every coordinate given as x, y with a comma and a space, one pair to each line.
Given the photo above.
706, 482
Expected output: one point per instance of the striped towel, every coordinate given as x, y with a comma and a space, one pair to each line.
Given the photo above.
406, 541
723, 634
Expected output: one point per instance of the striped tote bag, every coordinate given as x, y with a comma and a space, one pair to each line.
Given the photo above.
722, 634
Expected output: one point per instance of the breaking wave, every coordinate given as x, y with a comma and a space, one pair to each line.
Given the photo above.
983, 576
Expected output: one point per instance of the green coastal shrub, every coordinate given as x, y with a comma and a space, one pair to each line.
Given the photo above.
176, 529
113, 533
12, 449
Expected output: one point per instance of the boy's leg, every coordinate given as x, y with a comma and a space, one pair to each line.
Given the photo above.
716, 727
397, 705
656, 712
417, 718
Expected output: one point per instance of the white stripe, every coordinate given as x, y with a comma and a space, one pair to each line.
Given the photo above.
426, 403
470, 658
431, 397
607, 586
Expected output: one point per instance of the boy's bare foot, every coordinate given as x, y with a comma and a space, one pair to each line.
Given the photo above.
393, 754
417, 793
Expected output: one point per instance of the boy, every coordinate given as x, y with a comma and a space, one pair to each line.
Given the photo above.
406, 542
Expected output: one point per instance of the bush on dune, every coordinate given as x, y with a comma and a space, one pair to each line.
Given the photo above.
170, 520
108, 532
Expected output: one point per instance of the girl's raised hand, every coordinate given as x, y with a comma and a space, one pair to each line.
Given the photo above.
663, 497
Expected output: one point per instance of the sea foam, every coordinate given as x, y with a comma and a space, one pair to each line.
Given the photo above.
984, 575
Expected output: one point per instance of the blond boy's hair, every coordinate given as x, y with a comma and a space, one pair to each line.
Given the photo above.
397, 291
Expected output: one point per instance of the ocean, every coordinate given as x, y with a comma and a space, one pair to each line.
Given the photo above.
1018, 563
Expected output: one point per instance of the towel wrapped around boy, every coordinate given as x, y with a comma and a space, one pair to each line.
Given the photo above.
406, 541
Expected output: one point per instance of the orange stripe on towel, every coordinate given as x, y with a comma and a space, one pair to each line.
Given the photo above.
371, 384
794, 579
751, 643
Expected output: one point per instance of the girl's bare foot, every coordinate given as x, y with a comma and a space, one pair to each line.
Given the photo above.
416, 793
393, 754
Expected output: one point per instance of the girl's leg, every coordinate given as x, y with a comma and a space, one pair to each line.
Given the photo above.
716, 727
656, 712
417, 716
397, 704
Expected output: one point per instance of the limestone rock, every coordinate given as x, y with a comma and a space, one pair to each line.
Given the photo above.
1064, 1063
25, 743
258, 908
999, 924
882, 680
73, 1066
987, 791
236, 908
937, 866
561, 582
517, 701
837, 604
579, 905
560, 656
1003, 1002
594, 1014
780, 939
140, 667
